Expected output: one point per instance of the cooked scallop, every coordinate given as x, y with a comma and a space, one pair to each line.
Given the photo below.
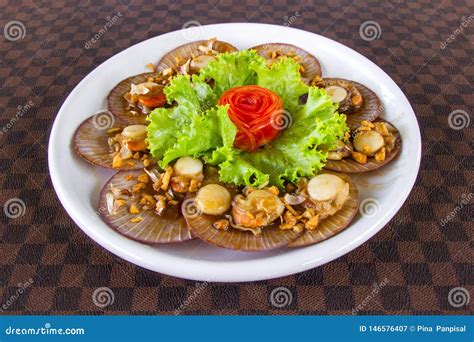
350, 165
91, 143
336, 223
325, 187
213, 199
134, 132
258, 209
119, 106
370, 108
336, 93
121, 212
204, 226
188, 166
368, 142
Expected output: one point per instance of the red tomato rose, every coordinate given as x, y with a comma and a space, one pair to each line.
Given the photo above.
252, 109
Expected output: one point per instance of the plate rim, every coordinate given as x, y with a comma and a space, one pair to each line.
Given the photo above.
226, 275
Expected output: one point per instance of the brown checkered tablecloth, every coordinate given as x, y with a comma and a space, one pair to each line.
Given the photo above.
420, 263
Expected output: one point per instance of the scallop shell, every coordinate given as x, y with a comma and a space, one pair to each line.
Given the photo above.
90, 141
310, 64
371, 108
187, 50
272, 236
153, 229
333, 224
201, 226
349, 165
117, 104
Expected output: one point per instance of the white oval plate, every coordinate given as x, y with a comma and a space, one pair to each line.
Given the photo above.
77, 184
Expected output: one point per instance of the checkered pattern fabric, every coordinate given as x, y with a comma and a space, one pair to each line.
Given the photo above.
420, 263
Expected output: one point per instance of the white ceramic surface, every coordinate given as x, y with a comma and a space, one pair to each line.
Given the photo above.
77, 184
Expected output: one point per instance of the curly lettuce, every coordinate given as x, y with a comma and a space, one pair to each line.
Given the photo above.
231, 70
196, 126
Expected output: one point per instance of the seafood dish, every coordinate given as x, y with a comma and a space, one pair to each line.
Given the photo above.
250, 150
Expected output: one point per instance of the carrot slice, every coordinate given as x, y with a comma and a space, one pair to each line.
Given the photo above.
153, 101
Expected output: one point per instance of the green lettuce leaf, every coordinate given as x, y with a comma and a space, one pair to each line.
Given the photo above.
239, 171
161, 131
196, 126
298, 151
288, 85
182, 91
205, 94
165, 122
231, 70
210, 131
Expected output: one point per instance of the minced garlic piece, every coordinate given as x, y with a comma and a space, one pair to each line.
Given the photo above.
138, 187
366, 123
312, 223
117, 161
166, 178
119, 203
380, 155
359, 157
381, 127
143, 178
151, 66
133, 209
147, 200
273, 190
366, 149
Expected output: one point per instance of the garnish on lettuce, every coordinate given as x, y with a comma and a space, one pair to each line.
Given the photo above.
197, 127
